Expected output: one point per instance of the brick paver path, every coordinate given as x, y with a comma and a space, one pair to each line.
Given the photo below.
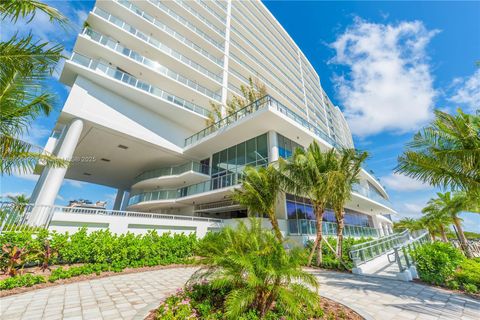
385, 299
131, 296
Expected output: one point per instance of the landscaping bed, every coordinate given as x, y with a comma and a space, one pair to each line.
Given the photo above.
204, 303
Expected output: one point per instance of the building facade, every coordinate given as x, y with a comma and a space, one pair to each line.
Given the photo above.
143, 77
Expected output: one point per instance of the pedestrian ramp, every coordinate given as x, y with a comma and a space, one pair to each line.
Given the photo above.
388, 257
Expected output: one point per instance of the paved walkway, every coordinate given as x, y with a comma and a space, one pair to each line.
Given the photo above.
385, 299
131, 296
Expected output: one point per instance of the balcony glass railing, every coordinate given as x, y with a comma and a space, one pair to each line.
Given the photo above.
213, 12
157, 44
132, 81
366, 192
153, 65
251, 108
195, 13
183, 21
309, 228
171, 32
173, 171
219, 182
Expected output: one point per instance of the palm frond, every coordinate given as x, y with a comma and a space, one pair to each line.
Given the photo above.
15, 9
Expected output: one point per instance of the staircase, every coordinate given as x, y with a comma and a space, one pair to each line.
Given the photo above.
388, 257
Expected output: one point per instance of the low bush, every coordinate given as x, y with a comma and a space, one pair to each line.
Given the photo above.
98, 247
61, 273
468, 272
26, 280
470, 288
436, 262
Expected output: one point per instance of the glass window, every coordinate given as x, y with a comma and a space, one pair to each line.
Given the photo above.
232, 159
309, 212
251, 152
222, 163
262, 147
215, 160
291, 212
241, 153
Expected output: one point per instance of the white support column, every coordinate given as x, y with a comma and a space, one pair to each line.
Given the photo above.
118, 199
273, 146
51, 179
126, 197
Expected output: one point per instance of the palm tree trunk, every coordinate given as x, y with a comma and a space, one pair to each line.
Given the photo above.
275, 226
443, 233
461, 237
318, 240
340, 226
319, 224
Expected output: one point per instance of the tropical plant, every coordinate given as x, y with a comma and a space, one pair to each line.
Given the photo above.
437, 219
407, 224
262, 275
306, 173
251, 93
452, 205
25, 65
259, 191
340, 184
446, 153
12, 257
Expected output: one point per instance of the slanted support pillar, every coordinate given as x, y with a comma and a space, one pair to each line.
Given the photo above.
273, 146
51, 179
118, 199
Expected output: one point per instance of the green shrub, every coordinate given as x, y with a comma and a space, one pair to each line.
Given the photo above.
436, 262
468, 272
470, 288
86, 269
452, 284
26, 280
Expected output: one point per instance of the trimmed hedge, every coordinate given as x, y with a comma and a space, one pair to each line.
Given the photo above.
99, 251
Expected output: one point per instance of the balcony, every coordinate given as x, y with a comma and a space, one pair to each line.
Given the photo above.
191, 172
366, 192
113, 73
114, 45
262, 103
159, 45
216, 183
306, 227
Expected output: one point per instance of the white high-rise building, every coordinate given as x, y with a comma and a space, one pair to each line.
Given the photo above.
143, 76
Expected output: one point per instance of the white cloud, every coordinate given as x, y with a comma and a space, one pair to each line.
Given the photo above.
59, 197
389, 87
75, 183
10, 194
400, 182
27, 176
467, 92
36, 134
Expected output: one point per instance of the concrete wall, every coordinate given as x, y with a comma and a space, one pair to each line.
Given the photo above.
71, 222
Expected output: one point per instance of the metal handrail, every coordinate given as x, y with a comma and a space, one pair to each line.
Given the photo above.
403, 251
364, 252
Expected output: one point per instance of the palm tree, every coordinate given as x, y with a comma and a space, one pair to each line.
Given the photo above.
446, 153
340, 184
251, 93
25, 65
260, 188
306, 174
436, 218
407, 224
453, 205
258, 272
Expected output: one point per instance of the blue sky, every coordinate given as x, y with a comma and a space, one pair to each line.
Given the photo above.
386, 64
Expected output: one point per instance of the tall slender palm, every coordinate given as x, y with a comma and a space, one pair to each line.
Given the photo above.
306, 174
438, 219
25, 65
340, 182
260, 188
453, 205
446, 153
407, 223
